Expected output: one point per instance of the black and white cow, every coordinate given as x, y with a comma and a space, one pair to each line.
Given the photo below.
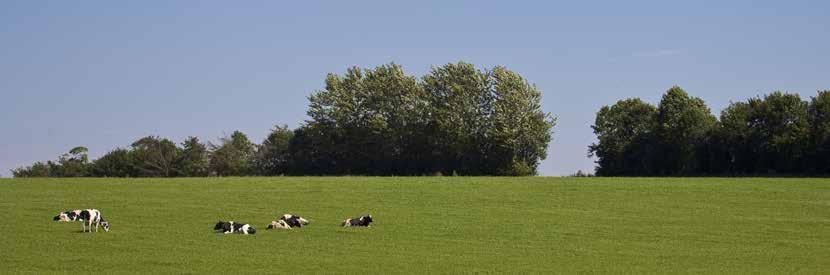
278, 224
234, 227
362, 221
93, 216
288, 221
68, 216
294, 221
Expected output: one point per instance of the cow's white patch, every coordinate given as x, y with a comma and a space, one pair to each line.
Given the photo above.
279, 224
94, 218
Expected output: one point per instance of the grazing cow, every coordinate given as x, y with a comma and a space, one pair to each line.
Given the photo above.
362, 221
288, 221
93, 216
68, 216
234, 227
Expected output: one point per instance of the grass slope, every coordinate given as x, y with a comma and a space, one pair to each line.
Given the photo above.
428, 224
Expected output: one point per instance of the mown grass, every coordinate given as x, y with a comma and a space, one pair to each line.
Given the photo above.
423, 225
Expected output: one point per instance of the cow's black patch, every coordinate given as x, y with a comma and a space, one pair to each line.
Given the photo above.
85, 215
224, 226
293, 220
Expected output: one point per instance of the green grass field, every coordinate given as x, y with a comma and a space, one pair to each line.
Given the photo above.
428, 224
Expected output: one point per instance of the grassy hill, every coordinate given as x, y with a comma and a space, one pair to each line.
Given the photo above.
429, 224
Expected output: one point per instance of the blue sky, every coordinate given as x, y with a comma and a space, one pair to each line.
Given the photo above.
103, 74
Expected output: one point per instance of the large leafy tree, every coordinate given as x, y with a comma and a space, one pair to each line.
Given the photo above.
273, 156
155, 157
733, 139
366, 120
75, 163
233, 156
460, 106
623, 130
519, 131
780, 129
457, 119
397, 111
682, 125
820, 132
769, 135
36, 170
193, 161
116, 163
311, 152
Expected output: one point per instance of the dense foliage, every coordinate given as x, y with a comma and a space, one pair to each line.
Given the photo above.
779, 134
455, 120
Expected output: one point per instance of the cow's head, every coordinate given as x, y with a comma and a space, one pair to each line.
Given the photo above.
219, 225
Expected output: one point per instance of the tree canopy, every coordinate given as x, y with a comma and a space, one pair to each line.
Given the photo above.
456, 119
778, 134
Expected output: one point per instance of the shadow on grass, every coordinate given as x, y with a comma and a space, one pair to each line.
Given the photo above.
87, 232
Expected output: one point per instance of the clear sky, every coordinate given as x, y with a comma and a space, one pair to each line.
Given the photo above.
105, 73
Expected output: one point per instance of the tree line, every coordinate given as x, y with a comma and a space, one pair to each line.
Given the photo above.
456, 119
777, 134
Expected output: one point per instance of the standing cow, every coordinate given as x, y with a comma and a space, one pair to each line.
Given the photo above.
93, 216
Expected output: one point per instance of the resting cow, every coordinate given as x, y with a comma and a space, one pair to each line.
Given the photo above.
234, 227
362, 221
68, 216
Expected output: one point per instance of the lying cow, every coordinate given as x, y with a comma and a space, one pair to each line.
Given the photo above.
294, 221
93, 216
234, 227
362, 221
288, 221
68, 216
278, 224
